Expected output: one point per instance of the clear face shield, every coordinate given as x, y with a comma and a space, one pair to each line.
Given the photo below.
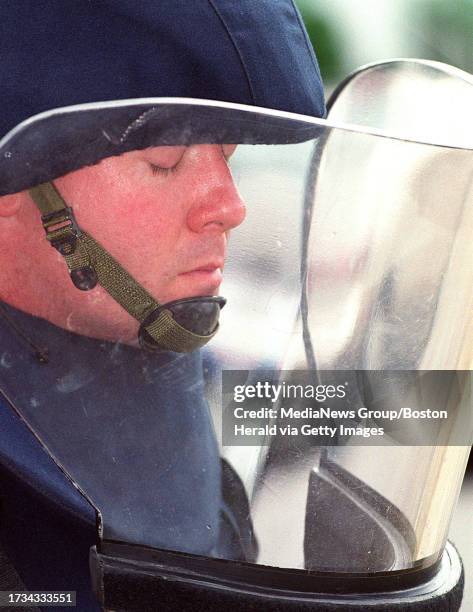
313, 438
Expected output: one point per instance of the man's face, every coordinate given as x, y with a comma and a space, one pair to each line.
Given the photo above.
164, 213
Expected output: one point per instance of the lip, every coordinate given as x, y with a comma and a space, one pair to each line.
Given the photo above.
214, 272
209, 267
208, 276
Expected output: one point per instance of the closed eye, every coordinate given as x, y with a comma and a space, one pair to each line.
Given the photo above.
160, 170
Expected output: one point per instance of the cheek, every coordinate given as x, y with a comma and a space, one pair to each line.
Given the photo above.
144, 222
131, 214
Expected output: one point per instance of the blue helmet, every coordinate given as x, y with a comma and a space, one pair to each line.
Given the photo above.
57, 54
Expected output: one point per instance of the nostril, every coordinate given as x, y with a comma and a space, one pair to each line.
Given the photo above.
217, 225
217, 212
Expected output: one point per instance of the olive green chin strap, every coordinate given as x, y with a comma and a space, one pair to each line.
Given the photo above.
89, 263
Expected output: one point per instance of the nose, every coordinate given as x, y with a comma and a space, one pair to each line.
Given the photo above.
215, 204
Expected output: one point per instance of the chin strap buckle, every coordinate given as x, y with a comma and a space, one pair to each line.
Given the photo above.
63, 234
62, 230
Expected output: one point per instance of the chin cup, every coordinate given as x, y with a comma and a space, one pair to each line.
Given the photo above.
197, 315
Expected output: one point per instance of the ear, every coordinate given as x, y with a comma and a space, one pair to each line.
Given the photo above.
10, 205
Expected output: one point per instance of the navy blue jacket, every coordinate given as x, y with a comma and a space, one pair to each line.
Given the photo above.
130, 428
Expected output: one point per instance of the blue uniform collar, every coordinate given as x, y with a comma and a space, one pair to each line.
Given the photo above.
131, 429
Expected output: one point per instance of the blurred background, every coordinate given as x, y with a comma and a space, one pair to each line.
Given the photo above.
347, 34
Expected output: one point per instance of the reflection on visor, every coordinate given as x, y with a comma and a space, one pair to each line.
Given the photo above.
332, 269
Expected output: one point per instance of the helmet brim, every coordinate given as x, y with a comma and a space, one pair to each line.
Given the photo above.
56, 142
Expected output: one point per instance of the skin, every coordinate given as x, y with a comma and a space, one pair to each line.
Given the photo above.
165, 213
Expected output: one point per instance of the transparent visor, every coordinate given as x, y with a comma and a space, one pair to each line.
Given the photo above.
326, 424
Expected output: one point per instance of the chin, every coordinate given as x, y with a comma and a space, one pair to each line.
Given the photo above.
189, 295
196, 288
